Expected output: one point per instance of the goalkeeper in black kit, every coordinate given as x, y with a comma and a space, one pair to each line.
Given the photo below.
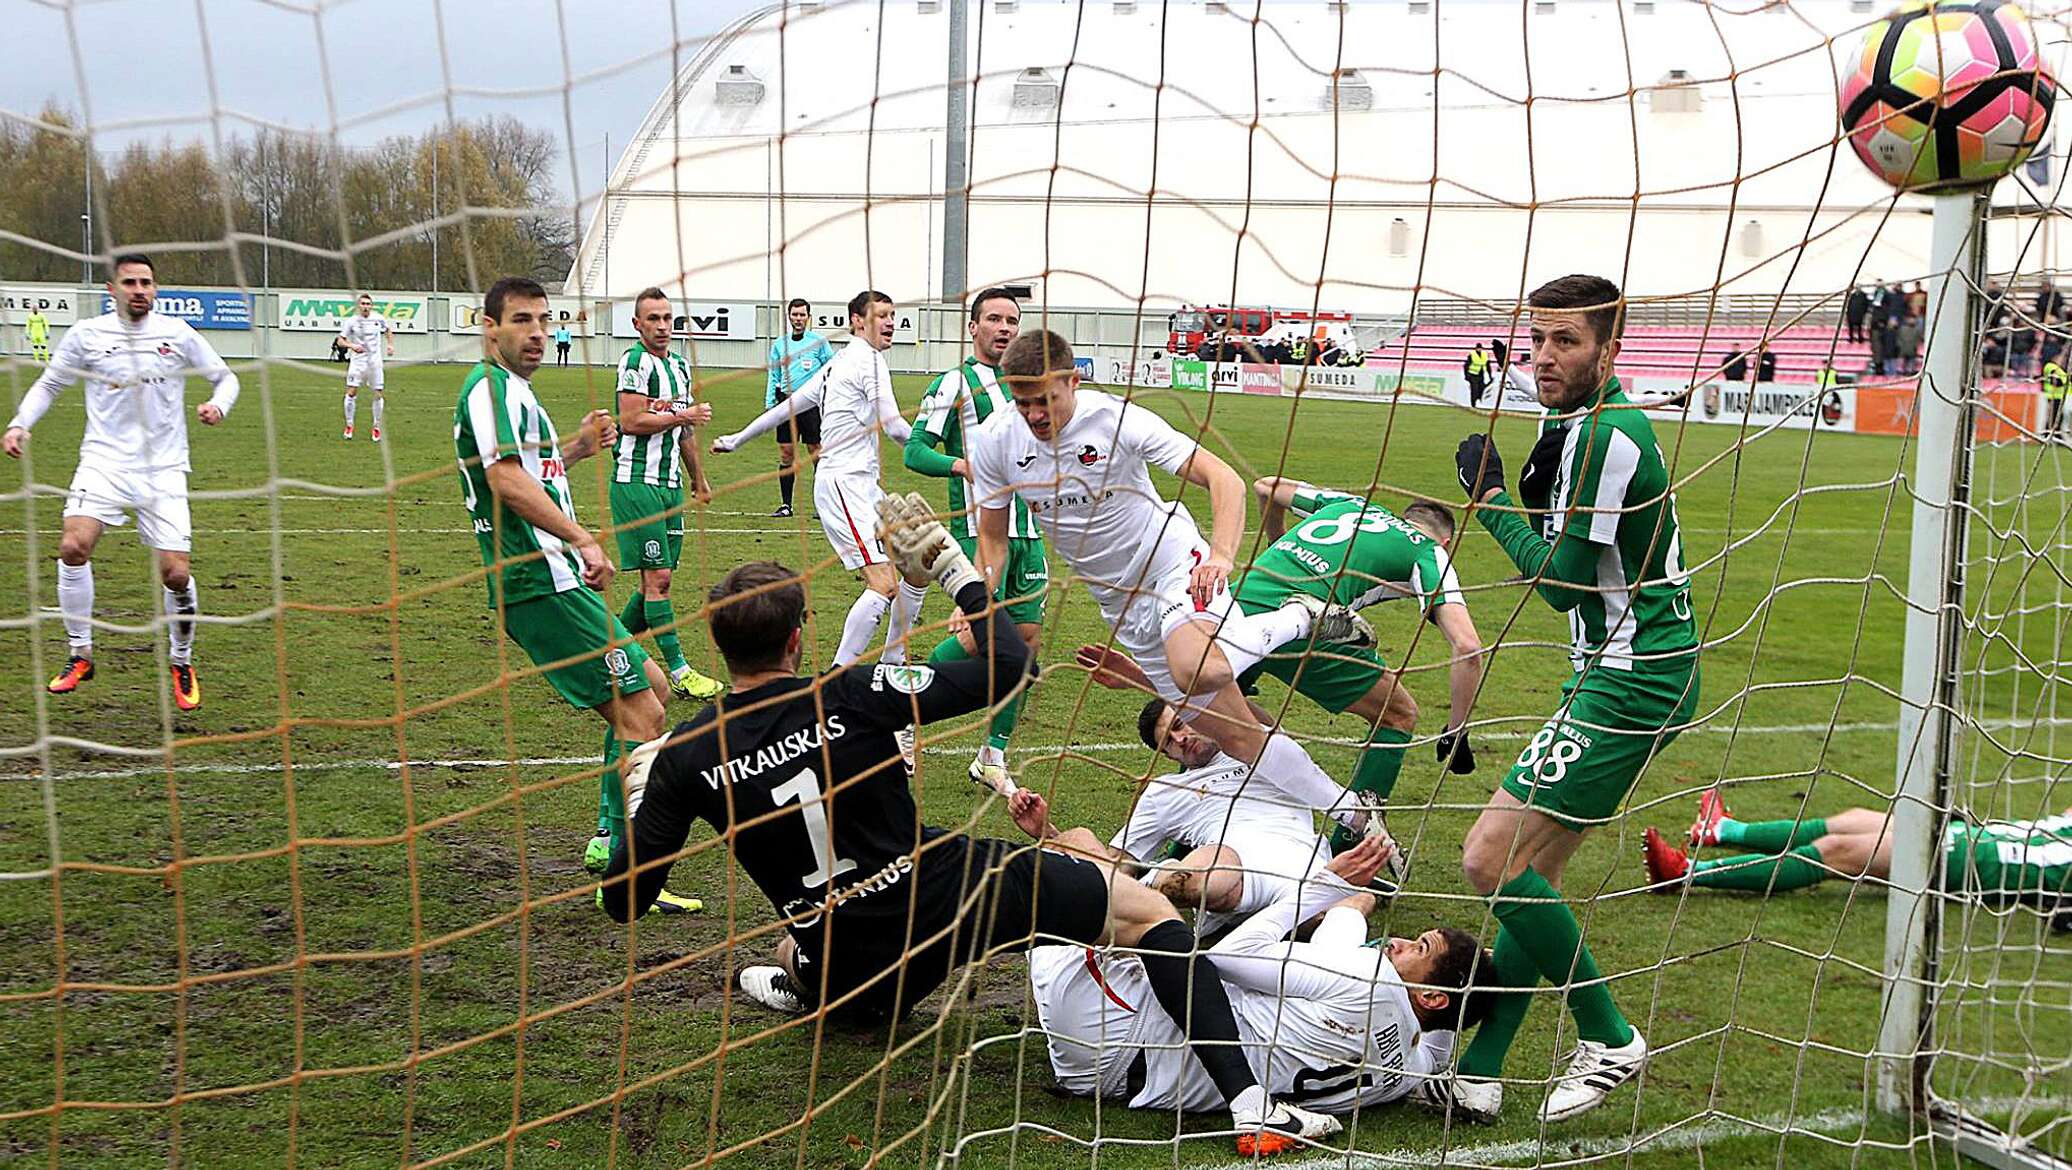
801, 776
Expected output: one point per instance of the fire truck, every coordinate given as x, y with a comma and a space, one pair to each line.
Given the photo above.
1257, 334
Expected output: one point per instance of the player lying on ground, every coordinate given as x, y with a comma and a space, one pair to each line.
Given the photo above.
956, 403
547, 573
1354, 552
370, 339
2008, 859
854, 396
800, 777
133, 457
1327, 1021
1081, 461
1247, 842
1609, 557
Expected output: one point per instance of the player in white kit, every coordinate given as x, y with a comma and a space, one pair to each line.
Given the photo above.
1081, 460
1247, 842
1328, 1022
132, 459
854, 396
368, 336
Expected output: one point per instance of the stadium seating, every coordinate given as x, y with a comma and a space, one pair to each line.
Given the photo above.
1672, 351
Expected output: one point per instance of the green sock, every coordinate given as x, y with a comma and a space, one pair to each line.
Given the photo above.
1550, 934
1002, 728
1794, 870
1381, 761
1484, 1056
1771, 836
611, 798
634, 616
661, 617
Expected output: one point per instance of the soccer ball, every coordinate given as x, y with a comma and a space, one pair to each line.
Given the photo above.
1947, 95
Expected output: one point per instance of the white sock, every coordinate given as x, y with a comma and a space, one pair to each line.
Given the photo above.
861, 626
352, 407
905, 611
378, 400
1283, 764
76, 601
180, 607
1246, 639
1250, 1107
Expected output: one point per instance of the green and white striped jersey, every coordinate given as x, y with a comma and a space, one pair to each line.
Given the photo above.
2011, 857
652, 459
1611, 488
957, 401
498, 417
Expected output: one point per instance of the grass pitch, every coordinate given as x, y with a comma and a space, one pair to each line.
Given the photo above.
337, 917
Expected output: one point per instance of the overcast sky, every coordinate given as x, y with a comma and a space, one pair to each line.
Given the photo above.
371, 67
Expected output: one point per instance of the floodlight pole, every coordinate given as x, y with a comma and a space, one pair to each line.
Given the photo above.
1940, 487
956, 174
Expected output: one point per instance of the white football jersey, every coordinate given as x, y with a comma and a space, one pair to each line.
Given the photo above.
136, 407
1203, 806
369, 331
1355, 1045
854, 402
1090, 488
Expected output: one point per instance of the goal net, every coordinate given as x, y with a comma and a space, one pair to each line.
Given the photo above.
339, 913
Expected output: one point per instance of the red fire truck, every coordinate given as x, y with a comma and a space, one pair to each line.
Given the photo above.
1252, 333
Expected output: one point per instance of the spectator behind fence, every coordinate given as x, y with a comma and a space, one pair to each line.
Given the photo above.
1855, 311
1734, 366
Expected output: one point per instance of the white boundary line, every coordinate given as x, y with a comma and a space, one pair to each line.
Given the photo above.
1097, 748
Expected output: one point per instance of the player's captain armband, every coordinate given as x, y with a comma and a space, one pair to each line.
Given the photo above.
907, 680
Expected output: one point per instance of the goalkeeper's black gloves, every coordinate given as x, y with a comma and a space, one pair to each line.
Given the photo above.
1480, 468
1453, 751
1536, 482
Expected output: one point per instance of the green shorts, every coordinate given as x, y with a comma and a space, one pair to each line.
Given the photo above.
649, 521
1333, 677
1580, 766
1026, 577
574, 624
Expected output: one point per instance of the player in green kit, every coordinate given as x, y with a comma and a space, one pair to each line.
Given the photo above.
1610, 557
1994, 859
957, 401
547, 573
1355, 552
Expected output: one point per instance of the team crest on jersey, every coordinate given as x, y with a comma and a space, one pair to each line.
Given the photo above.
617, 663
1088, 456
907, 680
165, 349
652, 548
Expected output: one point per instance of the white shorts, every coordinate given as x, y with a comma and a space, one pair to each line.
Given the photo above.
1142, 618
363, 370
1087, 1002
1275, 864
848, 507
159, 498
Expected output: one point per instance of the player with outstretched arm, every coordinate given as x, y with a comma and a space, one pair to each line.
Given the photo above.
799, 777
132, 459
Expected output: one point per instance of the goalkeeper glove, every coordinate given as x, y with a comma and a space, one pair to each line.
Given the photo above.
920, 546
1536, 482
1480, 468
1454, 753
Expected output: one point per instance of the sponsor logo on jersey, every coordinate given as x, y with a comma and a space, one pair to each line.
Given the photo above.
1088, 456
1025, 460
552, 468
907, 680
